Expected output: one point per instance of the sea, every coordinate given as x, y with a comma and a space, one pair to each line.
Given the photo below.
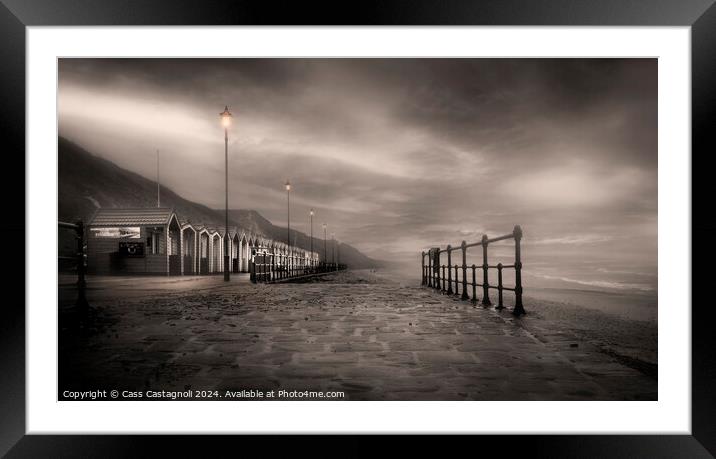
621, 291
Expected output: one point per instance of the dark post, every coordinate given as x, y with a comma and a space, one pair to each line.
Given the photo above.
82, 305
226, 226
422, 268
485, 285
442, 281
464, 271
457, 285
519, 309
499, 287
436, 265
474, 285
430, 268
449, 264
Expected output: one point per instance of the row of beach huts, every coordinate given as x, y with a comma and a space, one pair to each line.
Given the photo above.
157, 241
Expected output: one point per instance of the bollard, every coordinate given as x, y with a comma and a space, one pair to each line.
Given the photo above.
449, 264
519, 309
485, 284
500, 306
464, 271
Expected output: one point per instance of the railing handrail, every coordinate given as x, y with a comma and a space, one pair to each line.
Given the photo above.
451, 248
431, 276
267, 268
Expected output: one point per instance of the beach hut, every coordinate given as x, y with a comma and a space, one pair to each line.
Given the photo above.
189, 242
134, 241
204, 238
235, 250
244, 261
215, 252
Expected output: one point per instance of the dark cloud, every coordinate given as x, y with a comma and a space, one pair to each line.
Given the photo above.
395, 154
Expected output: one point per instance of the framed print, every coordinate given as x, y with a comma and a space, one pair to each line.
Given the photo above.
472, 219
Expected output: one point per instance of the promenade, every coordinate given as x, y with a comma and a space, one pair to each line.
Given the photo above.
357, 332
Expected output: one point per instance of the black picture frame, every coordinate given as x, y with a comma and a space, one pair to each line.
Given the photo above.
700, 15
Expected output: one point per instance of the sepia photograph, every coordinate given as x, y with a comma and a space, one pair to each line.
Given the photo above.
357, 229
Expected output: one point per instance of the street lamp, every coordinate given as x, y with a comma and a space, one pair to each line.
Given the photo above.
325, 250
311, 215
288, 206
226, 122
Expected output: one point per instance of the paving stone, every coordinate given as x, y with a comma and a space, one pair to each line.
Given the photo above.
356, 332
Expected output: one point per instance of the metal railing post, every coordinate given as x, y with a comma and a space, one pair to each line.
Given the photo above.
485, 284
474, 285
449, 264
430, 268
457, 285
437, 269
464, 271
499, 287
519, 309
422, 268
442, 281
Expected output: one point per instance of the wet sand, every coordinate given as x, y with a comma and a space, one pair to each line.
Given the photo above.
369, 335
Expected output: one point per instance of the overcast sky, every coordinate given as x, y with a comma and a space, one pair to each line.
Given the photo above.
396, 154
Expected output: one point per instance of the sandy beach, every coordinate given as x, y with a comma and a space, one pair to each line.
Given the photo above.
368, 335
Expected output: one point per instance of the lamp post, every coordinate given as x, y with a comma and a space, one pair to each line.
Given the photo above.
311, 218
288, 225
325, 250
226, 122
333, 245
